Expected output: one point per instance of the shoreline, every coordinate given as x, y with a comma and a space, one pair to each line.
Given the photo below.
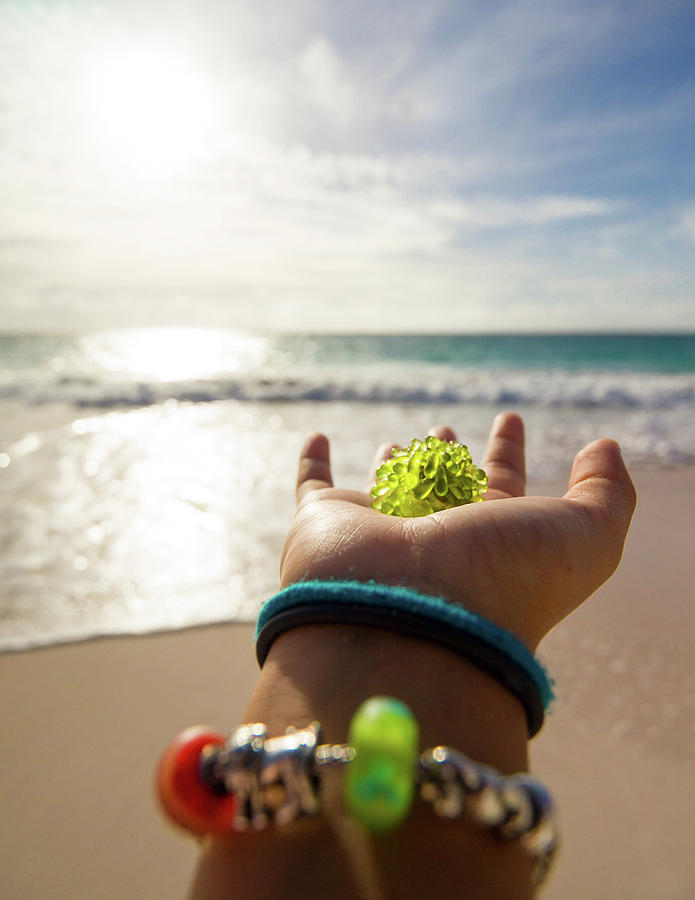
85, 723
650, 476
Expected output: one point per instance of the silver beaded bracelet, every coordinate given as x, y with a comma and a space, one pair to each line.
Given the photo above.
249, 781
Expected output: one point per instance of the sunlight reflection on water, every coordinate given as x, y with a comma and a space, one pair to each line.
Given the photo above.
150, 518
170, 515
174, 354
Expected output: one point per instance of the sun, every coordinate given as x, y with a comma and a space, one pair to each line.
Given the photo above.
150, 109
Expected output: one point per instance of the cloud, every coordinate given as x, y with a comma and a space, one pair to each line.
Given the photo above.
458, 158
492, 212
687, 223
327, 82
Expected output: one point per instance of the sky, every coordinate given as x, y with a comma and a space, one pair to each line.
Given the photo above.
362, 166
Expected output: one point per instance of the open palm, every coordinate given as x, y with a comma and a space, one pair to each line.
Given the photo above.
524, 562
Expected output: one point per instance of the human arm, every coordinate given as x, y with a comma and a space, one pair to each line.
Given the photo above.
522, 562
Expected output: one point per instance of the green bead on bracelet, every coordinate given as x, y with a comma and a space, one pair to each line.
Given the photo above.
379, 784
425, 477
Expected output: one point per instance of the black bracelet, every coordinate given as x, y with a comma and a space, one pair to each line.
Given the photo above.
492, 649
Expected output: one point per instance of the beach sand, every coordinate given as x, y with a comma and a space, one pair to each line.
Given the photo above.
83, 726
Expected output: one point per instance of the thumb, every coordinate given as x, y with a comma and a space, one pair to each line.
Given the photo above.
600, 483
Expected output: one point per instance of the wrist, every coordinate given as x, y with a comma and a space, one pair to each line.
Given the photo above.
326, 671
430, 620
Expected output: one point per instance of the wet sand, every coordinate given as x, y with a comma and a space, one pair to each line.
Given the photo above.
83, 726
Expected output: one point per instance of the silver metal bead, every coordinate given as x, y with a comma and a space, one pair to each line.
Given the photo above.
541, 839
274, 779
517, 807
334, 754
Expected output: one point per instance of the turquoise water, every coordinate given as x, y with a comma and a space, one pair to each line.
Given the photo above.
145, 367
146, 476
668, 353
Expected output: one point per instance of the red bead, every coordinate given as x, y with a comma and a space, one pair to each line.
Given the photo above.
183, 794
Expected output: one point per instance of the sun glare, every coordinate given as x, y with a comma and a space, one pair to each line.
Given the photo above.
150, 109
174, 354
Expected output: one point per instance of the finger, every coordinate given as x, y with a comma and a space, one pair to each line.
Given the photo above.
601, 483
383, 453
314, 466
443, 432
505, 460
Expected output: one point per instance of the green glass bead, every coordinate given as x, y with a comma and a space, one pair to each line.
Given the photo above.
430, 466
426, 477
441, 484
379, 782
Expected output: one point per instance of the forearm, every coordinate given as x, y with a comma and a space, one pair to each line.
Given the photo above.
325, 672
520, 563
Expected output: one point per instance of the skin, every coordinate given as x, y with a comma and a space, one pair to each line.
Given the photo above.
523, 562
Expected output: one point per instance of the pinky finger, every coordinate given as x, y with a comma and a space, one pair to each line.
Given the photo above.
314, 466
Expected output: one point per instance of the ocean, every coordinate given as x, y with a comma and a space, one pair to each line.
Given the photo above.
146, 476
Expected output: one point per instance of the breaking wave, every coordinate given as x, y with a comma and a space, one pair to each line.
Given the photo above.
387, 385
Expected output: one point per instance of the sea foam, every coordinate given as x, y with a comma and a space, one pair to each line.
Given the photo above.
374, 383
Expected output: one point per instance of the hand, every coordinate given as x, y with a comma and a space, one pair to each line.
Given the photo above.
523, 562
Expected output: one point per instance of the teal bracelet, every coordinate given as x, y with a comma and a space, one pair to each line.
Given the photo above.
491, 648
